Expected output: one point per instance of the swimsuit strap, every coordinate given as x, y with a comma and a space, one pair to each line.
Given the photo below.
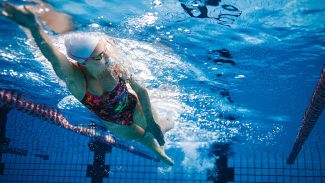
83, 73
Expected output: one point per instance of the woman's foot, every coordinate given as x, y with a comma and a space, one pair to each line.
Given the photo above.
167, 160
148, 140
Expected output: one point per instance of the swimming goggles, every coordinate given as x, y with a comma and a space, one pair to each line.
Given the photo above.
96, 58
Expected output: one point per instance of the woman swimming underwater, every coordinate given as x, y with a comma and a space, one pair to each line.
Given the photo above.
105, 88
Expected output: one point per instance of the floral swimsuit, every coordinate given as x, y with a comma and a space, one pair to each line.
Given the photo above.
116, 106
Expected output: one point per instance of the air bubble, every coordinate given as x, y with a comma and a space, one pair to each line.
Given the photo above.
94, 25
187, 31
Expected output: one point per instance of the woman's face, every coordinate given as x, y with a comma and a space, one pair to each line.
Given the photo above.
99, 57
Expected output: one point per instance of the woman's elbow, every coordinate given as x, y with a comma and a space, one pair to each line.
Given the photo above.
138, 88
143, 90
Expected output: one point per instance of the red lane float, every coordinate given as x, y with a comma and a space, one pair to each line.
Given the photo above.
14, 100
311, 116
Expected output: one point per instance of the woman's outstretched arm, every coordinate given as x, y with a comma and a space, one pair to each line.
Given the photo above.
64, 69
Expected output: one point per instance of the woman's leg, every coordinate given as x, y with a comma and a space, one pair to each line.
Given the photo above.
164, 123
131, 132
149, 141
135, 132
57, 21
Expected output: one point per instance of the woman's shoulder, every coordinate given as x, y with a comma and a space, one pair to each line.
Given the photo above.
77, 83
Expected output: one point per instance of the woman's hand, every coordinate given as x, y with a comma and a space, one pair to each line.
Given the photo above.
19, 14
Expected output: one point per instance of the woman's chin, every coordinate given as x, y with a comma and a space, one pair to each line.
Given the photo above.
96, 69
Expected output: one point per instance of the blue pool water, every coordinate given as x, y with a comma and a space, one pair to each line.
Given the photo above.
240, 73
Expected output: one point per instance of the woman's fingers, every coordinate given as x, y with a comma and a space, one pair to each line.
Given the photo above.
22, 15
27, 16
8, 10
11, 10
4, 9
7, 7
4, 13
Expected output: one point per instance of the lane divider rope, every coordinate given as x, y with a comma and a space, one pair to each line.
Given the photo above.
311, 116
53, 116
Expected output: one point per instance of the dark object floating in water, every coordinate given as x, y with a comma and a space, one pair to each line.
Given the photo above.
218, 61
224, 18
221, 172
213, 2
229, 7
215, 55
203, 11
222, 53
225, 93
229, 117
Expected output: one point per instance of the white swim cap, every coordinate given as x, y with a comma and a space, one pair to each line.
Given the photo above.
80, 46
